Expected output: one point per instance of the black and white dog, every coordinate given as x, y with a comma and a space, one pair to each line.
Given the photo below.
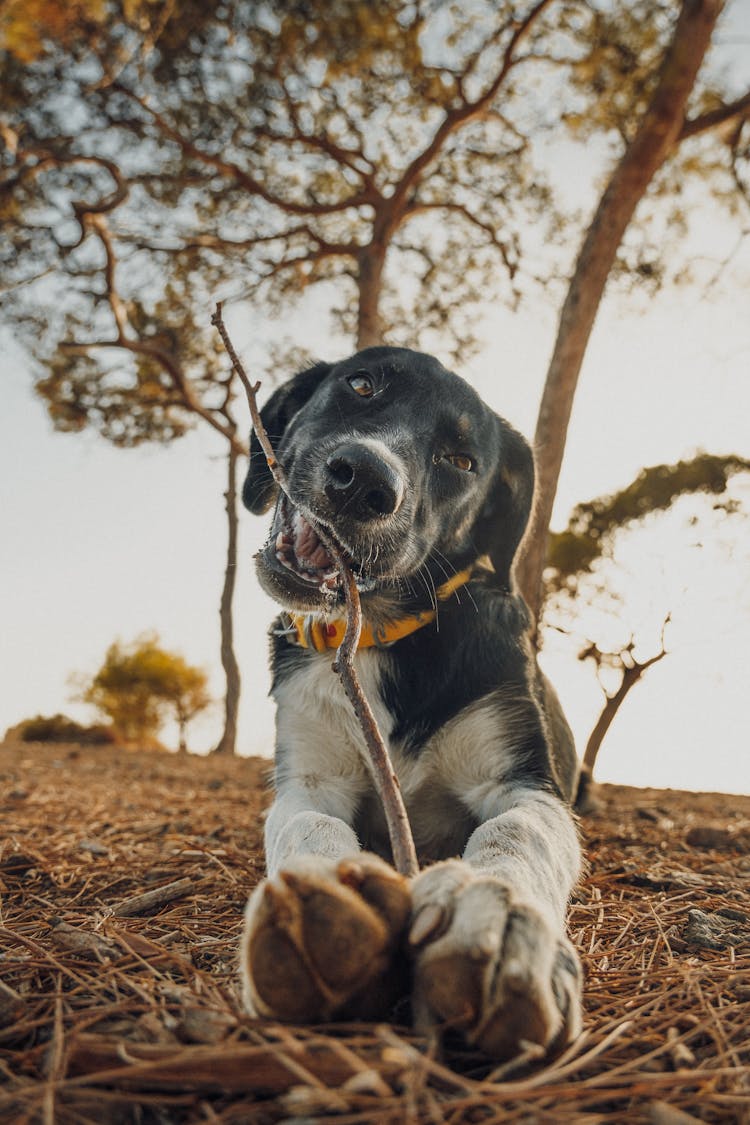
427, 492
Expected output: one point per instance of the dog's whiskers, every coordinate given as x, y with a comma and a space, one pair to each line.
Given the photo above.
429, 584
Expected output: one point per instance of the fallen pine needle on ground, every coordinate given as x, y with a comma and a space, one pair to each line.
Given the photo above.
106, 1018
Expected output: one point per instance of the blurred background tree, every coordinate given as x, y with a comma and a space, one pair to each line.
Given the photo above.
615, 595
140, 686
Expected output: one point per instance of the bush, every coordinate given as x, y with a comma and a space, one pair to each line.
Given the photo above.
60, 728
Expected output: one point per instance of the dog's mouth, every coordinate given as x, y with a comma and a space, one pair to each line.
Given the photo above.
298, 548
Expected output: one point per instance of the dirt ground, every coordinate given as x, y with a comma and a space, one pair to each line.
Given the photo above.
120, 1005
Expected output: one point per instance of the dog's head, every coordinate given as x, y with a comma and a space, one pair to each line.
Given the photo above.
402, 464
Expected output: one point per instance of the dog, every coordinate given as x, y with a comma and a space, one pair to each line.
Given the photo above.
427, 493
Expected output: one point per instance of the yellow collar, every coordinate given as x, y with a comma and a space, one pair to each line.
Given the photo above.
310, 632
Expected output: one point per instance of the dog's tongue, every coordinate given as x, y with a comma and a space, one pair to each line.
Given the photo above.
307, 546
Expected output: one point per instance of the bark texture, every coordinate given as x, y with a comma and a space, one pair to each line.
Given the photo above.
228, 742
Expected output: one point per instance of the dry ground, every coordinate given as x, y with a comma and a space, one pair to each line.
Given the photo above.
114, 1010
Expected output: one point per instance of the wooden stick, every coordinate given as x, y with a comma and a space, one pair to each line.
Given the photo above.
160, 896
386, 782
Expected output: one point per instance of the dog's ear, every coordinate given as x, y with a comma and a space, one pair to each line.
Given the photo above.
260, 489
508, 505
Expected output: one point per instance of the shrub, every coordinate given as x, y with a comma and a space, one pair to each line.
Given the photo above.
61, 728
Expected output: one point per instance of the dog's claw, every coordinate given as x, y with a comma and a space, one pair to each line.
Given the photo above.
324, 940
351, 873
426, 924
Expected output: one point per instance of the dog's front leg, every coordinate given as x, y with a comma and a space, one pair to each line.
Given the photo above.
491, 955
323, 935
310, 820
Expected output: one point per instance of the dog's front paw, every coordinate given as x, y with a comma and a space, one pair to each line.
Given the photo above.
493, 968
324, 939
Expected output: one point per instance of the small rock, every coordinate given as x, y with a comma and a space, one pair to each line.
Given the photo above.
368, 1082
662, 1113
205, 1025
679, 1052
706, 836
713, 931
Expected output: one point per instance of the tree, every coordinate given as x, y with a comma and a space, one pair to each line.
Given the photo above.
629, 670
588, 596
662, 127
140, 686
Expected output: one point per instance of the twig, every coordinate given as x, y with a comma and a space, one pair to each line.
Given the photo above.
82, 941
141, 904
386, 782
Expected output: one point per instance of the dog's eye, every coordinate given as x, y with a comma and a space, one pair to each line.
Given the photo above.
460, 461
361, 384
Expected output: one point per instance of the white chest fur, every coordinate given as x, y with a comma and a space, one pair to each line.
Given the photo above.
316, 729
445, 783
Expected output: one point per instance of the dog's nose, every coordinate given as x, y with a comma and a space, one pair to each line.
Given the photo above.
362, 483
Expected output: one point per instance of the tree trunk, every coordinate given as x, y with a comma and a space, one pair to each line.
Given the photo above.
370, 284
630, 677
228, 742
657, 136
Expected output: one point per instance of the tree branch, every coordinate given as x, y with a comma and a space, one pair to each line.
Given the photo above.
723, 114
241, 175
464, 113
631, 674
487, 228
181, 382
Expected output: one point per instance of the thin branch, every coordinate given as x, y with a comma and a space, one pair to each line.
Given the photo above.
693, 126
466, 213
194, 241
241, 175
464, 113
97, 224
386, 782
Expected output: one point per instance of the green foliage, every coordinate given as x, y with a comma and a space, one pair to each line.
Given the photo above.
27, 26
140, 685
594, 523
61, 728
621, 589
619, 66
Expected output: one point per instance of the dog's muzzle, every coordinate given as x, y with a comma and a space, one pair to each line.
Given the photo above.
355, 495
361, 483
